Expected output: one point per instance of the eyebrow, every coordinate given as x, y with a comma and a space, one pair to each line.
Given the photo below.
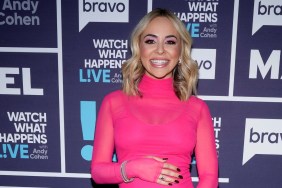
155, 36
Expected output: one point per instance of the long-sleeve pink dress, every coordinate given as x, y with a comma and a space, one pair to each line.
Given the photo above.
156, 124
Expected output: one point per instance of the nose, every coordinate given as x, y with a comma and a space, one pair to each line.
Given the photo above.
160, 48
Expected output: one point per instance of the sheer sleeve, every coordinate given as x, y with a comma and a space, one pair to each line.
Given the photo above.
103, 170
205, 151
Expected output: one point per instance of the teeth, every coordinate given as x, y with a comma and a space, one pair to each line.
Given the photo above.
159, 62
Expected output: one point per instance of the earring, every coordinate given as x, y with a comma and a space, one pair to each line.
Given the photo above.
179, 61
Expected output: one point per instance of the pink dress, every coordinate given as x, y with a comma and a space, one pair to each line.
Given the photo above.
156, 124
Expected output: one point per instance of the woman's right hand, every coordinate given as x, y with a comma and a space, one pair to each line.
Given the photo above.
153, 169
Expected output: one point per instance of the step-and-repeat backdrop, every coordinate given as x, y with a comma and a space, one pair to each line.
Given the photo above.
58, 59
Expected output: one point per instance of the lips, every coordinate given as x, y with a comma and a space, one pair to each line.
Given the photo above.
159, 63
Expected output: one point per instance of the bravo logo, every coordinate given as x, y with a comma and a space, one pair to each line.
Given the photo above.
206, 60
262, 136
102, 11
266, 12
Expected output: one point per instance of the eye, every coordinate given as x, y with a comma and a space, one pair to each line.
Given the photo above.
150, 41
171, 42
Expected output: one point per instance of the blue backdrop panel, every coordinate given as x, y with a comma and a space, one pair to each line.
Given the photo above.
27, 23
258, 55
230, 126
30, 134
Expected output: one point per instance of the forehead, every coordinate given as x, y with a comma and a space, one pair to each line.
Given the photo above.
160, 26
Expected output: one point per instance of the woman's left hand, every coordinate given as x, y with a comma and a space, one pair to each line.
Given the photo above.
153, 169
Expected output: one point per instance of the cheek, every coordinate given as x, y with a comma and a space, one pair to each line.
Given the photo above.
144, 52
175, 52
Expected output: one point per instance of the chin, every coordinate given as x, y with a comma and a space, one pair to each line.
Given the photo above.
159, 76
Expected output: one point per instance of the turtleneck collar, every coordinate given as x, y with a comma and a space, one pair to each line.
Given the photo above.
153, 86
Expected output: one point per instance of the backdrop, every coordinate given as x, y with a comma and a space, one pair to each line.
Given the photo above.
58, 59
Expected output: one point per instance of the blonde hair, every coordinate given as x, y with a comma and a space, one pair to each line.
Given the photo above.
185, 74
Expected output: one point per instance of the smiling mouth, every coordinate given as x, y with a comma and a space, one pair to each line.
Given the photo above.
159, 63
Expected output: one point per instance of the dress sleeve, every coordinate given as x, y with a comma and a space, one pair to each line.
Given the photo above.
205, 151
103, 170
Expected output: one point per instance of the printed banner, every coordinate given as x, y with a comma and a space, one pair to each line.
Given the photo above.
29, 129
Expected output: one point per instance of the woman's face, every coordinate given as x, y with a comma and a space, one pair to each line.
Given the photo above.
160, 48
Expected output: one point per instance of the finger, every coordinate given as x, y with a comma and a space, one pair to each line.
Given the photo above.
171, 173
164, 183
165, 180
171, 167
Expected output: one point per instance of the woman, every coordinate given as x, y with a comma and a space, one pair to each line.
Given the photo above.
156, 123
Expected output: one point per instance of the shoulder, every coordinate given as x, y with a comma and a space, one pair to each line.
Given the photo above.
115, 103
113, 95
114, 98
198, 105
196, 101
197, 110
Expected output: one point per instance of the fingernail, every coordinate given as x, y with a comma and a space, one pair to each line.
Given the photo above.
181, 177
176, 181
170, 184
178, 169
165, 158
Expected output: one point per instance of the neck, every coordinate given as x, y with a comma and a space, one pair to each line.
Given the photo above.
153, 86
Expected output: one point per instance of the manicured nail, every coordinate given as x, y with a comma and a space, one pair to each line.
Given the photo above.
181, 177
178, 169
176, 181
170, 184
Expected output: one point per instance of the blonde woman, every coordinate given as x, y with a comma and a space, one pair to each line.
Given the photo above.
156, 122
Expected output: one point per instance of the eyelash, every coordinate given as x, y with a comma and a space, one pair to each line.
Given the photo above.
150, 41
170, 42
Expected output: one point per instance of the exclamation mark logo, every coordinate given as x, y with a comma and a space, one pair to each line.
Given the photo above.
88, 122
4, 148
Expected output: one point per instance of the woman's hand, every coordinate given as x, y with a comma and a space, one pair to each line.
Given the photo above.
153, 169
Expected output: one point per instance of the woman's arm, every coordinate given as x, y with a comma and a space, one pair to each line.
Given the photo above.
205, 151
103, 170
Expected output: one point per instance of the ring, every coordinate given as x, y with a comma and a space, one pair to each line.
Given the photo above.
162, 178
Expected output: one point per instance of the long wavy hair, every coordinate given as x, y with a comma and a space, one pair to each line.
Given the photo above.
185, 74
